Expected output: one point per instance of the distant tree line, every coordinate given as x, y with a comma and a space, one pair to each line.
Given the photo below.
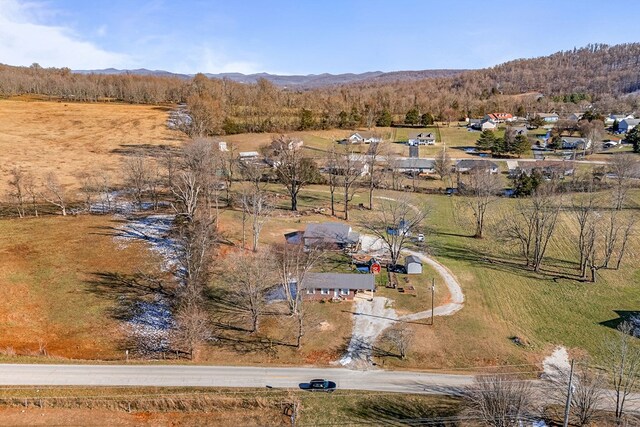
600, 77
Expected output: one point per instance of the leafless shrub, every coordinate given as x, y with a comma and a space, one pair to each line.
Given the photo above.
499, 400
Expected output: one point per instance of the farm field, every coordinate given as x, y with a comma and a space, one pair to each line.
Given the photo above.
72, 138
50, 278
49, 264
153, 406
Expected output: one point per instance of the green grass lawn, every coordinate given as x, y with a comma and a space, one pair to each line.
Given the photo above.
503, 299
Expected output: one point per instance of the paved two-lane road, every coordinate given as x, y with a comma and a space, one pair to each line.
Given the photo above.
226, 376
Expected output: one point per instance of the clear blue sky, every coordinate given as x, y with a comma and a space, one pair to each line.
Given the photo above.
302, 37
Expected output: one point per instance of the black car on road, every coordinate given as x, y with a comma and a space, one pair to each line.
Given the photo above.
320, 385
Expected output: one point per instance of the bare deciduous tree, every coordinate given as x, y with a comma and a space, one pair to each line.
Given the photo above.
192, 328
250, 276
18, 191
394, 222
623, 167
186, 189
393, 170
399, 338
587, 393
627, 232
31, 187
532, 224
498, 400
293, 263
55, 192
332, 177
376, 150
136, 177
585, 215
257, 205
623, 358
349, 169
195, 244
481, 188
88, 188
442, 164
293, 169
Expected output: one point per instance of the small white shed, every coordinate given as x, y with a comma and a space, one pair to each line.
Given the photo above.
413, 265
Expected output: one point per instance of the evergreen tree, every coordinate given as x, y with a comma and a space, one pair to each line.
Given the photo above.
633, 137
616, 126
426, 119
536, 121
524, 185
499, 147
384, 119
343, 120
521, 145
486, 141
306, 119
355, 117
412, 117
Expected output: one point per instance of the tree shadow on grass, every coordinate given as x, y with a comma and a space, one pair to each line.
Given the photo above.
147, 150
623, 316
552, 268
130, 294
126, 291
409, 410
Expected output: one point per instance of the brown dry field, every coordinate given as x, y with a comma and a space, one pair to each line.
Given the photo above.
48, 282
70, 138
104, 417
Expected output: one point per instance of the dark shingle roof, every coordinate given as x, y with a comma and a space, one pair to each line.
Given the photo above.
339, 281
412, 258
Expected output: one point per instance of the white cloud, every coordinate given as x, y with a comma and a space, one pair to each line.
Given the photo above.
203, 59
23, 41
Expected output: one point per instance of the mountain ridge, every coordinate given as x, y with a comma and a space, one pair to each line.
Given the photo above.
301, 81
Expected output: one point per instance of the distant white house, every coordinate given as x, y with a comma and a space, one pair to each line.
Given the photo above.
222, 146
248, 155
489, 125
619, 117
548, 117
361, 138
627, 125
422, 139
499, 117
575, 117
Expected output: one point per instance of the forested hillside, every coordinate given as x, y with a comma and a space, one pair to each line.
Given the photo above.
605, 78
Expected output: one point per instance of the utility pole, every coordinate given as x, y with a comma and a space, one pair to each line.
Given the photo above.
569, 391
433, 291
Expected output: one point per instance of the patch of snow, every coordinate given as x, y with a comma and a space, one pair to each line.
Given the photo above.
117, 202
154, 230
150, 326
179, 118
556, 366
151, 322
